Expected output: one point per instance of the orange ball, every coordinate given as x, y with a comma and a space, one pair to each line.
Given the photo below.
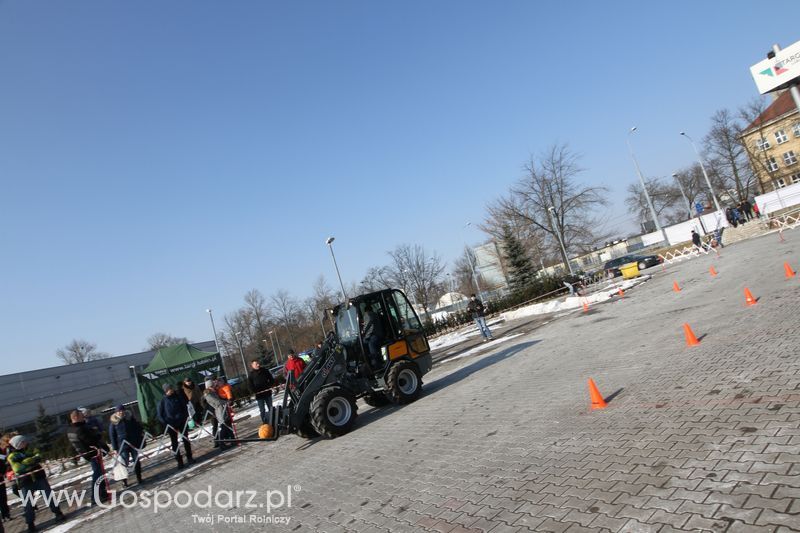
265, 431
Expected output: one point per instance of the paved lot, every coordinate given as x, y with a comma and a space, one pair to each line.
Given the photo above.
703, 438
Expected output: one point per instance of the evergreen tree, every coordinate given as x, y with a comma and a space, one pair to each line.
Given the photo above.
520, 268
46, 428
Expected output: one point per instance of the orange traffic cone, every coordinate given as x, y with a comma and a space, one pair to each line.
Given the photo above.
596, 398
585, 307
789, 272
748, 297
712, 271
621, 293
691, 340
675, 286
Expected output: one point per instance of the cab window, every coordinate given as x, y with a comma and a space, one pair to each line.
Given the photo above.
407, 318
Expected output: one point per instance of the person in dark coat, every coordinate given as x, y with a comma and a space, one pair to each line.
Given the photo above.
88, 442
372, 334
5, 449
478, 311
261, 382
193, 395
173, 413
126, 435
731, 219
30, 478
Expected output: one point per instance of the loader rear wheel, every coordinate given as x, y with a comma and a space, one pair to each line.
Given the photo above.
377, 399
307, 431
404, 383
333, 412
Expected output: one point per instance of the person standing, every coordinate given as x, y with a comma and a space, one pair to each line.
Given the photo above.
261, 382
294, 366
478, 311
125, 434
173, 414
221, 413
91, 420
5, 513
372, 333
88, 443
31, 477
756, 212
193, 396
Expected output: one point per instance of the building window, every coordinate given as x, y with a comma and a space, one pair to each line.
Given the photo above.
781, 137
762, 144
772, 165
789, 158
796, 129
795, 178
780, 183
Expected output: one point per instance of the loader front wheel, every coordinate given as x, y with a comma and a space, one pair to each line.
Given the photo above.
404, 383
333, 412
307, 431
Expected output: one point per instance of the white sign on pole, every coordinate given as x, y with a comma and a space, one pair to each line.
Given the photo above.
778, 72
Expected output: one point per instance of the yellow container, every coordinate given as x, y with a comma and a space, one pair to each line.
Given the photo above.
629, 270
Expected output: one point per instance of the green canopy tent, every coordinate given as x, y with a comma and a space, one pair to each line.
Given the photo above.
172, 365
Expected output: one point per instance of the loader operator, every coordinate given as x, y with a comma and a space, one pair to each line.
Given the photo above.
372, 334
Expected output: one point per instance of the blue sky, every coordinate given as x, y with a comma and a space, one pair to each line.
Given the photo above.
159, 158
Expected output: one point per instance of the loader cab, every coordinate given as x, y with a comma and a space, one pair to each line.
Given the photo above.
400, 329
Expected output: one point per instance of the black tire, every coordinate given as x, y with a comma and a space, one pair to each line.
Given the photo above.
333, 412
307, 431
404, 383
377, 399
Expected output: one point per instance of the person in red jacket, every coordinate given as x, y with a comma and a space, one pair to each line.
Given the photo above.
294, 365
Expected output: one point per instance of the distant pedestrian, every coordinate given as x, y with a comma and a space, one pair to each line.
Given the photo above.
478, 311
756, 211
222, 413
91, 420
737, 215
5, 449
729, 215
193, 396
261, 382
173, 414
294, 366
125, 434
208, 410
88, 443
747, 208
30, 478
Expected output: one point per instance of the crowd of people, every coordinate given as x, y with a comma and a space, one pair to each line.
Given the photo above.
742, 212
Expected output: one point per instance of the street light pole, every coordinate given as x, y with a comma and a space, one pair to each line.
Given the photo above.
703, 167
551, 212
644, 187
274, 353
329, 242
276, 341
685, 198
472, 265
241, 351
214, 329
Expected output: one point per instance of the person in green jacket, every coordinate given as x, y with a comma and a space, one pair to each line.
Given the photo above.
31, 477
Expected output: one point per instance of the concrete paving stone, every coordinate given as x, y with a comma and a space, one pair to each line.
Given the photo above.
736, 512
530, 522
632, 526
610, 523
741, 527
779, 505
754, 478
663, 504
765, 491
703, 509
691, 495
673, 519
635, 512
776, 479
632, 501
728, 499
552, 526
700, 523
770, 517
722, 487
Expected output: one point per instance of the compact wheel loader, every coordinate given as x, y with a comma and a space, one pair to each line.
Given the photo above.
386, 368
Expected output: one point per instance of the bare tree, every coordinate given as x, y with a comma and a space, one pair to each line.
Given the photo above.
286, 311
422, 271
257, 305
159, 340
728, 155
551, 182
80, 351
752, 115
379, 278
661, 194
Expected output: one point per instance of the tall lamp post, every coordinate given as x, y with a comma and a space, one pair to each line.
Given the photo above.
276, 341
213, 328
551, 211
241, 351
685, 198
472, 265
274, 353
703, 167
329, 242
644, 187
